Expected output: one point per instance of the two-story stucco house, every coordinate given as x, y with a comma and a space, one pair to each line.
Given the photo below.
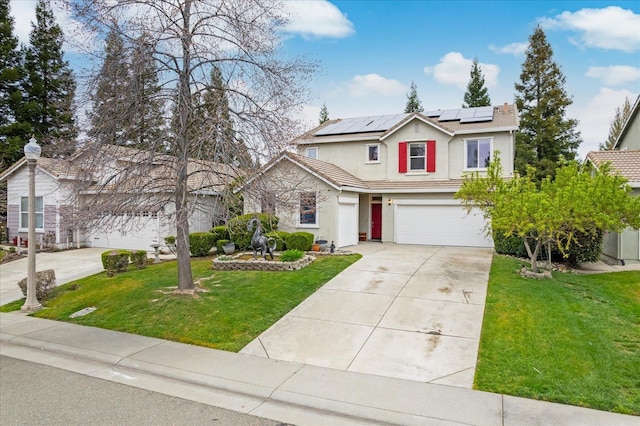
74, 198
625, 160
388, 178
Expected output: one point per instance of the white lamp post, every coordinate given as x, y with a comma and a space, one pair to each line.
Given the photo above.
32, 152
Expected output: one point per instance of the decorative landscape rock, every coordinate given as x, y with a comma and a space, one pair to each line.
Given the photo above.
45, 283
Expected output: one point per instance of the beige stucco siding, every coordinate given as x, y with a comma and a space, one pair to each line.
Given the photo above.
503, 142
631, 138
288, 181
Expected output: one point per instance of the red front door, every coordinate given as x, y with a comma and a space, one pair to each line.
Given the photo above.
376, 221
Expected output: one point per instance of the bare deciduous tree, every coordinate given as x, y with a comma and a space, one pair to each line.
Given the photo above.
241, 39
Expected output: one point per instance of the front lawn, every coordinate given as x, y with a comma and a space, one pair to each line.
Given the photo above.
235, 309
574, 339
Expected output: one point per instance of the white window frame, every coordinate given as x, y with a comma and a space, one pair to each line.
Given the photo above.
317, 221
308, 152
410, 169
466, 152
24, 222
368, 160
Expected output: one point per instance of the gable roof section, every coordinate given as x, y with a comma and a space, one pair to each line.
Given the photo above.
56, 168
626, 163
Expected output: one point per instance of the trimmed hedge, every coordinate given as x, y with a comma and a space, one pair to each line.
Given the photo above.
279, 237
115, 261
585, 247
45, 283
511, 245
220, 232
299, 241
201, 243
139, 258
239, 234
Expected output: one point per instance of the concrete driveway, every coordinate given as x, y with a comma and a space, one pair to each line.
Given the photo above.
402, 311
69, 265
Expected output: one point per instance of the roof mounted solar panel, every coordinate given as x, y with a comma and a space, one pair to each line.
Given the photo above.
466, 113
449, 115
378, 123
475, 119
432, 114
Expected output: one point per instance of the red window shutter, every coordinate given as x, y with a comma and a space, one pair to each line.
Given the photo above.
402, 157
431, 156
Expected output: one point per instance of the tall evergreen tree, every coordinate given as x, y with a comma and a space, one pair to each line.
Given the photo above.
324, 114
413, 102
13, 132
616, 125
477, 95
50, 86
110, 115
147, 125
546, 136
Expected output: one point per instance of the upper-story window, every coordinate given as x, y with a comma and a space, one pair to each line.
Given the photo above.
312, 152
417, 156
477, 153
24, 213
373, 153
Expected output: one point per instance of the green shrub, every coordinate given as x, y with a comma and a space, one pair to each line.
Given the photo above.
115, 261
200, 243
220, 244
511, 245
220, 232
170, 240
239, 234
279, 237
299, 241
291, 255
585, 247
139, 258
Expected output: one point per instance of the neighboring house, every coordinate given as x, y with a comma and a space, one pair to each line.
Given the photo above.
386, 178
625, 160
73, 197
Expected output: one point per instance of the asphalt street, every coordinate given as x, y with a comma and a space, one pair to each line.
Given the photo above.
34, 394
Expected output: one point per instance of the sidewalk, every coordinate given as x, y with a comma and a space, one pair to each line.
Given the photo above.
284, 391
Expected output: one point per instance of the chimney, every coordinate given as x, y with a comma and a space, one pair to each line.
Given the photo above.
505, 108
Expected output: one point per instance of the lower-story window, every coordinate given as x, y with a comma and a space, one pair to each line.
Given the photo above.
308, 208
24, 213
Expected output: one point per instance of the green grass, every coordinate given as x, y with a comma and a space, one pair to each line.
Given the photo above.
235, 309
573, 340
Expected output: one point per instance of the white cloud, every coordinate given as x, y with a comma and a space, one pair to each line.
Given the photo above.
375, 85
515, 49
318, 18
77, 37
615, 75
596, 116
455, 69
610, 28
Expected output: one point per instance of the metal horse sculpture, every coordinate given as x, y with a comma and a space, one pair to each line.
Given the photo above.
265, 244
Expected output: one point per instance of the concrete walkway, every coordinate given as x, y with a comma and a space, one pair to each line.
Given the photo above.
402, 311
288, 392
68, 265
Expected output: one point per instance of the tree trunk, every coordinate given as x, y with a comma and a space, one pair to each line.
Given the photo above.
185, 278
533, 257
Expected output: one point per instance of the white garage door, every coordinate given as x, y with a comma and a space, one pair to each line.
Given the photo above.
137, 234
347, 225
446, 225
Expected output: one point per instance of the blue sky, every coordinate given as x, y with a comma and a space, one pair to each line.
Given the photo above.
371, 51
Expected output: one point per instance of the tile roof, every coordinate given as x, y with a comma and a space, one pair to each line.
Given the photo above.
330, 172
626, 162
58, 168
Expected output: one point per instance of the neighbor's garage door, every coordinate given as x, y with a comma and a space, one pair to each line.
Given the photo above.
347, 225
446, 225
136, 234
